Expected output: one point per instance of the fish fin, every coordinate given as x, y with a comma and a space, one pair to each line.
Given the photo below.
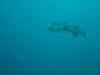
75, 34
84, 34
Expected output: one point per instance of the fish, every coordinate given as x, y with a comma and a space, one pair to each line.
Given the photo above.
66, 27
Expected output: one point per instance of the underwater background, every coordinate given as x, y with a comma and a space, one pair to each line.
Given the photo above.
28, 48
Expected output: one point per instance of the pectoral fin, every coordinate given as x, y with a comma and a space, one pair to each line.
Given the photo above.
84, 34
75, 34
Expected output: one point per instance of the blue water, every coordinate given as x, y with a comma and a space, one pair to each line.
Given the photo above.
28, 48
